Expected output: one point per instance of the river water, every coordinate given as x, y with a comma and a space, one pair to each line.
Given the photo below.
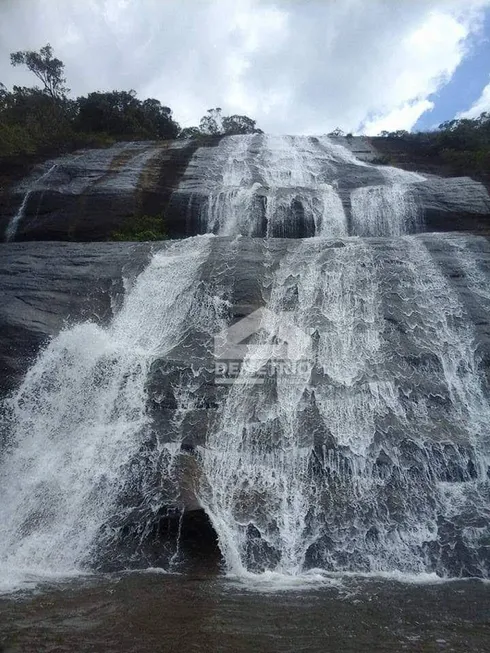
149, 612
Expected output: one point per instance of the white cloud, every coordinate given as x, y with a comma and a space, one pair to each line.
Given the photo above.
301, 66
480, 106
403, 117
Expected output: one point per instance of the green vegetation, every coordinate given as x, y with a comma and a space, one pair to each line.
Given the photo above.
48, 69
463, 143
215, 124
143, 228
37, 122
46, 121
382, 161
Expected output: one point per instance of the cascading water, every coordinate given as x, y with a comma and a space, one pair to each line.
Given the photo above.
389, 209
384, 211
294, 186
354, 463
362, 447
16, 219
268, 178
79, 418
298, 179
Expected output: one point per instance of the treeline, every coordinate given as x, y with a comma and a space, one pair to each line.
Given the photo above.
214, 123
463, 143
45, 120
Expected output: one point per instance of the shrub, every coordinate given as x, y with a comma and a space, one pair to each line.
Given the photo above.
381, 161
142, 229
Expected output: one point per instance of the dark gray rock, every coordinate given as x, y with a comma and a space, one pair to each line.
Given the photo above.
45, 287
89, 195
196, 185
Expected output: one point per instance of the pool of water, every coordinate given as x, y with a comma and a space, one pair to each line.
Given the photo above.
150, 611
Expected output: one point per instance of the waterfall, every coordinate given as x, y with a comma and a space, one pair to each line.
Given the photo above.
17, 218
79, 419
384, 211
352, 434
256, 183
390, 209
358, 460
296, 187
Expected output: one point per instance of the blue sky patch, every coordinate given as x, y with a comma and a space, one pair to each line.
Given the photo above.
466, 85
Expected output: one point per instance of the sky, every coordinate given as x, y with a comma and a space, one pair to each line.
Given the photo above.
295, 66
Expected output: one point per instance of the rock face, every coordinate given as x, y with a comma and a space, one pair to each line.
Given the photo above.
304, 186
402, 406
45, 287
90, 195
311, 369
439, 214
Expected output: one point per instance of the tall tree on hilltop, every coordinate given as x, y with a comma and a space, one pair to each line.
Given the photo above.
46, 68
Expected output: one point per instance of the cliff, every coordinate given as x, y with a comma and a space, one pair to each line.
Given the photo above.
91, 195
128, 395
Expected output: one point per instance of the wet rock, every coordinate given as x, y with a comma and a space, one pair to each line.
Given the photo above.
91, 194
46, 287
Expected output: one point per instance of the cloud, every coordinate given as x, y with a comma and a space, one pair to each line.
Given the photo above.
403, 117
480, 106
297, 66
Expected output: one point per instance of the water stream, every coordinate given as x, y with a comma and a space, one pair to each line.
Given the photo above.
361, 447
16, 219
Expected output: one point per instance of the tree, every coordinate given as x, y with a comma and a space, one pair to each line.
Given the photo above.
190, 132
400, 133
46, 68
112, 112
464, 134
121, 113
239, 125
157, 119
215, 124
44, 121
212, 123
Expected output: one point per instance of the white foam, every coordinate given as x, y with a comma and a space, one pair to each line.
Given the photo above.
79, 418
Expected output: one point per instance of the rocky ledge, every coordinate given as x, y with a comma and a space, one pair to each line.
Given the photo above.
91, 195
